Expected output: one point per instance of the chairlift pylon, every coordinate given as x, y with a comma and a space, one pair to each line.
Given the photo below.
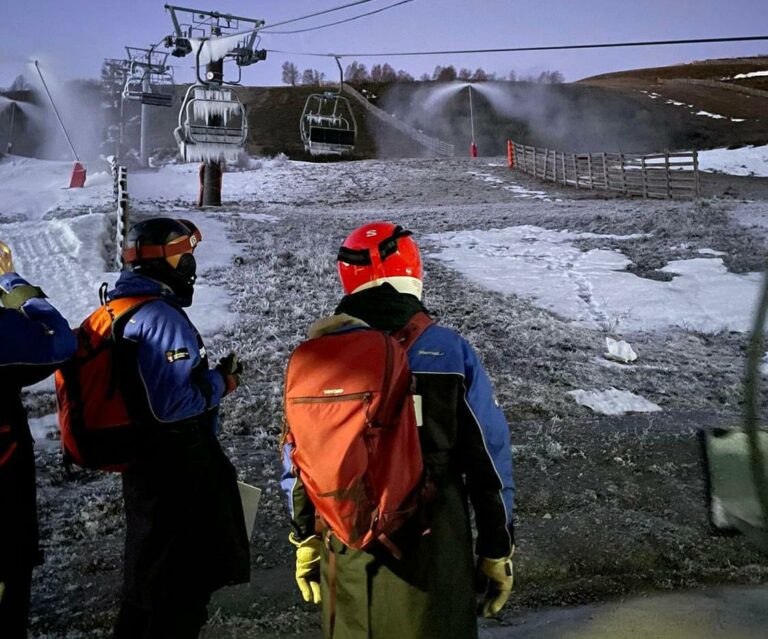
327, 124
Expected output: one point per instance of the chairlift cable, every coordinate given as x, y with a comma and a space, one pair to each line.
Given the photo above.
331, 24
601, 45
313, 15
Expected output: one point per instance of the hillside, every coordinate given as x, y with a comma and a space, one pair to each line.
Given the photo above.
702, 105
644, 110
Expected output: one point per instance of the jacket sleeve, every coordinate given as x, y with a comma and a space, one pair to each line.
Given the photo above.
487, 460
172, 365
300, 508
35, 335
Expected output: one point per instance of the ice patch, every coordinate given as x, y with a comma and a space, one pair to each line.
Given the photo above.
593, 288
714, 116
613, 401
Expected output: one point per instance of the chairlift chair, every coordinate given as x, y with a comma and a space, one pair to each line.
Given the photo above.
212, 124
161, 90
328, 125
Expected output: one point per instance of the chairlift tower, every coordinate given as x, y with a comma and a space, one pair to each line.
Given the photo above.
114, 73
149, 81
212, 121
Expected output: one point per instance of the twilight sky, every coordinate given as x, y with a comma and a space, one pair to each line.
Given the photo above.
72, 37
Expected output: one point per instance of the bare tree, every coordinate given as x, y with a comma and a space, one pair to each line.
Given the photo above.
464, 73
556, 77
404, 76
425, 77
356, 72
290, 73
480, 74
388, 74
376, 73
447, 74
512, 77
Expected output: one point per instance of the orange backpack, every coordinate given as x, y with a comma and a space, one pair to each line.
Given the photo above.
96, 431
351, 420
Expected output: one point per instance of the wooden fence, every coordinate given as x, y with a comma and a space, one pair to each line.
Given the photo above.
120, 191
661, 175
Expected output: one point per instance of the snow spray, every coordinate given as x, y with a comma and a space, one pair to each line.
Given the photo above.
78, 170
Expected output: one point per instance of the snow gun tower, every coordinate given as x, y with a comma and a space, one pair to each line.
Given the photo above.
149, 80
327, 123
212, 121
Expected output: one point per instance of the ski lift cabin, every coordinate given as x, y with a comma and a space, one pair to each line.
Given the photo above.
328, 125
212, 124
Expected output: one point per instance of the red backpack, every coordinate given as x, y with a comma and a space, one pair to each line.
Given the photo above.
96, 431
350, 417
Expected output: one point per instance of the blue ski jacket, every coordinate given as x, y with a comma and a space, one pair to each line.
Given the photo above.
34, 340
172, 362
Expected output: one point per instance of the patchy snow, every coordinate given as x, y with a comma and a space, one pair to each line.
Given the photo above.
613, 401
593, 288
751, 74
709, 251
714, 116
750, 160
516, 189
619, 351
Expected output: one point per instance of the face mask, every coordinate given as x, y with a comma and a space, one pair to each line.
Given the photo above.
183, 279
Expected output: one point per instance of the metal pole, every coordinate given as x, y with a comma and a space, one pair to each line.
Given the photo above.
144, 140
55, 110
10, 135
471, 114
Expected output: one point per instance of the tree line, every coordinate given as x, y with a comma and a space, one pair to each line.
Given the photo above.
358, 72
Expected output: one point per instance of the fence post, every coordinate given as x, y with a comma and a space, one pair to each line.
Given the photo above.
623, 175
645, 177
576, 169
589, 170
696, 174
510, 154
121, 226
666, 173
605, 172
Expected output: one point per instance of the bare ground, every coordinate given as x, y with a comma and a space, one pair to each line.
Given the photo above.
606, 505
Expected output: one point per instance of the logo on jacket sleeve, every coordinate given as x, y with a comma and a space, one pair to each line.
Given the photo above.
175, 356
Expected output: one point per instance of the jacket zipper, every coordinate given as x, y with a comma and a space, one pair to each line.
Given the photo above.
331, 398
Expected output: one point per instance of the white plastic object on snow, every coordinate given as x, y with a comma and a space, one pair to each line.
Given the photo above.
619, 351
249, 498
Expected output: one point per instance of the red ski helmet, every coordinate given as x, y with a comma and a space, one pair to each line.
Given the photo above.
380, 252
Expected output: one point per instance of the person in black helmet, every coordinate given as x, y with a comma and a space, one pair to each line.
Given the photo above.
185, 533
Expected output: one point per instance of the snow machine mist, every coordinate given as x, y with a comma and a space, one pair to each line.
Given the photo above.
212, 125
328, 125
78, 170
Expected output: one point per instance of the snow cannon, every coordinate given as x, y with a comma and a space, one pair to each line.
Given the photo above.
473, 150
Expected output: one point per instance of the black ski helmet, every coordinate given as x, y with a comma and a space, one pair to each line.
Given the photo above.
152, 245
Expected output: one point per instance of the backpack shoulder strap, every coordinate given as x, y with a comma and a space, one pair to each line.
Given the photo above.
121, 309
409, 333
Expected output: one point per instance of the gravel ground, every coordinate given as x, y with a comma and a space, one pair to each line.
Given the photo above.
606, 505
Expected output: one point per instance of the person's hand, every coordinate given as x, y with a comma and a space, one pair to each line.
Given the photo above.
230, 368
6, 259
308, 567
499, 575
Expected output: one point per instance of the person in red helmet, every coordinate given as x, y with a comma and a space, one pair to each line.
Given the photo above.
429, 593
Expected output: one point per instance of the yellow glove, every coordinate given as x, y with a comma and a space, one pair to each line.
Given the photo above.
500, 575
308, 567
6, 259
